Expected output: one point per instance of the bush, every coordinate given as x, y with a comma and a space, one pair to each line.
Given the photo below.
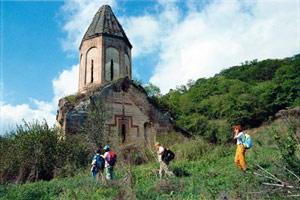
75, 98
191, 150
224, 132
286, 135
169, 139
195, 123
34, 151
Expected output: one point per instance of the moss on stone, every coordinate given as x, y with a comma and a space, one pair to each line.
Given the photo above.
75, 98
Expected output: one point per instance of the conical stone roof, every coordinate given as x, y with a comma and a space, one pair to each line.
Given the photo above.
105, 24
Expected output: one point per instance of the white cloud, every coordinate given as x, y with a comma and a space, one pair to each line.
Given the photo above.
147, 32
64, 85
143, 32
198, 43
12, 115
79, 14
224, 34
204, 40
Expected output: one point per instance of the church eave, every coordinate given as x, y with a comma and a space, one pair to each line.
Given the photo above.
106, 35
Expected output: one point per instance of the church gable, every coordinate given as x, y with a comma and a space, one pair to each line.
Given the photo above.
132, 117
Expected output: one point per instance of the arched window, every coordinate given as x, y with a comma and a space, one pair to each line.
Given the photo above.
123, 133
127, 64
92, 62
82, 71
92, 71
112, 61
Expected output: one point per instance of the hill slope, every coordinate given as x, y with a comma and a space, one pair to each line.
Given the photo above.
203, 171
249, 94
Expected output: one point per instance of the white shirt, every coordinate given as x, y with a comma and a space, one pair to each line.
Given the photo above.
106, 158
160, 149
240, 138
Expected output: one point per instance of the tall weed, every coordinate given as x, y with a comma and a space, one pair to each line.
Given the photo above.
34, 151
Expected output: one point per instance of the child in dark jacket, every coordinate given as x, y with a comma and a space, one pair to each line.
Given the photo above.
97, 166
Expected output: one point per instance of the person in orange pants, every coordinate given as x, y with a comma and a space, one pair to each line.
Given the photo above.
240, 150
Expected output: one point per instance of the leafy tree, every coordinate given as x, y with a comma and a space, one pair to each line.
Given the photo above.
152, 90
248, 94
287, 139
34, 151
95, 125
138, 81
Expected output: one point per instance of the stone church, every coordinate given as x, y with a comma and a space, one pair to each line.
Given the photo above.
105, 73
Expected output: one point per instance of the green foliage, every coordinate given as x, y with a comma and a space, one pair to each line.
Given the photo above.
216, 131
287, 137
95, 125
192, 150
203, 171
75, 98
152, 90
224, 131
35, 152
194, 123
249, 95
169, 139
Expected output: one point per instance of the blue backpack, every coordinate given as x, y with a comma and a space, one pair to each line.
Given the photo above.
247, 141
100, 162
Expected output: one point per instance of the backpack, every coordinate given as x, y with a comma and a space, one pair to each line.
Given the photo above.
100, 162
112, 158
168, 155
247, 142
97, 163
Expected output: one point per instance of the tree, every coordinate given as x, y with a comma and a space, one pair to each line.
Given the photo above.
95, 124
152, 90
34, 151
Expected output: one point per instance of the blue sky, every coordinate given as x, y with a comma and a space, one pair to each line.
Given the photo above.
173, 41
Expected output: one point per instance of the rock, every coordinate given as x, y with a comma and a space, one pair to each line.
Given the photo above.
289, 112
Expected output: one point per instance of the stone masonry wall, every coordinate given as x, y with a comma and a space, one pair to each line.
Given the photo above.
133, 117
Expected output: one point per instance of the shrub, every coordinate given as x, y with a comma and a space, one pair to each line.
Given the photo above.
287, 137
224, 131
33, 151
169, 139
195, 123
75, 98
191, 150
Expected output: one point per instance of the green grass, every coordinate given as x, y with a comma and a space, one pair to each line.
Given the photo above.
213, 175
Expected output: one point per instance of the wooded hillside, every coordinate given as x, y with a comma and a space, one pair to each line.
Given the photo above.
249, 94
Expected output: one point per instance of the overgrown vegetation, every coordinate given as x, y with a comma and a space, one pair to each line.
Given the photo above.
249, 95
203, 171
34, 151
287, 137
95, 125
204, 166
75, 98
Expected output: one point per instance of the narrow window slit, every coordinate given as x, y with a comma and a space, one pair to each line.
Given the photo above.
111, 69
123, 133
92, 71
